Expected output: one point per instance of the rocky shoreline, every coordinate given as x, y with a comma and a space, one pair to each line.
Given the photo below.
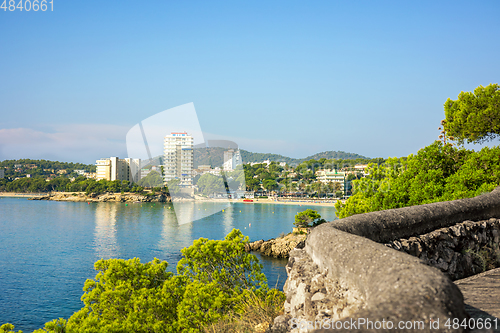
277, 247
106, 197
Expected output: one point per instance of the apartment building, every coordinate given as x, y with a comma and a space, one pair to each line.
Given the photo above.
327, 176
114, 168
231, 160
361, 168
178, 158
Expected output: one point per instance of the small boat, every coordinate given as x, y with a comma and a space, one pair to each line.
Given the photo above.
247, 200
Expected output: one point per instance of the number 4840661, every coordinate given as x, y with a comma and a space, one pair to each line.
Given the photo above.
27, 5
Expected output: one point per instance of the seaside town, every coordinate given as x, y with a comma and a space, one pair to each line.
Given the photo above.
321, 180
249, 167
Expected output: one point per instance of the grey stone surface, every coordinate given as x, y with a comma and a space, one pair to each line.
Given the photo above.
462, 250
388, 225
342, 274
312, 296
392, 285
482, 294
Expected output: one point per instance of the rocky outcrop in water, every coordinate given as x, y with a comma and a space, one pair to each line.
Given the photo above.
106, 197
277, 247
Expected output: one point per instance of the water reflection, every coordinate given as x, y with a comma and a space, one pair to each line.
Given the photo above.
227, 219
172, 234
105, 230
180, 219
191, 211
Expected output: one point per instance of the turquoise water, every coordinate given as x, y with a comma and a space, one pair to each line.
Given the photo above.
48, 248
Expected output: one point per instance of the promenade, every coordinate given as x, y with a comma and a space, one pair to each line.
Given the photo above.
295, 202
482, 295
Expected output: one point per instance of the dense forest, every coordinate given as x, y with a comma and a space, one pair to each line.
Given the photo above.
260, 157
22, 167
214, 156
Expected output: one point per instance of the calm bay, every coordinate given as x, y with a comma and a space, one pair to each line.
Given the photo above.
48, 248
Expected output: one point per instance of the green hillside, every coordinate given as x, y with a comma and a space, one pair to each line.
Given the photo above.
215, 156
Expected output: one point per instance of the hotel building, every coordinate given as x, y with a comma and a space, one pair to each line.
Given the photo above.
114, 168
231, 160
327, 176
178, 158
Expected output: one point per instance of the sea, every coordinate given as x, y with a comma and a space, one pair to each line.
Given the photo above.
48, 248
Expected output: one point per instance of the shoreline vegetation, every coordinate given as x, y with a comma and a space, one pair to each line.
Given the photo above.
160, 197
106, 197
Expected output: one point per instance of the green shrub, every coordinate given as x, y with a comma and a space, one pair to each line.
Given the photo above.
252, 311
8, 328
436, 173
308, 218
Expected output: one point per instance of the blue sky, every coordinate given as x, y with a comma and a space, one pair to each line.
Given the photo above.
288, 77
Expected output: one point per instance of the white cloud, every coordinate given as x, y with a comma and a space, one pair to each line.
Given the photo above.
72, 142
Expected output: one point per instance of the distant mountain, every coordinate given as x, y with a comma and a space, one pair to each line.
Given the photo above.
260, 157
329, 155
215, 156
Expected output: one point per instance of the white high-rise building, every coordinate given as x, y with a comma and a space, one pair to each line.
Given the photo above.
178, 158
231, 160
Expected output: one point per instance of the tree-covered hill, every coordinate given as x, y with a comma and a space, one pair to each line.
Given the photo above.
260, 157
41, 167
214, 156
330, 155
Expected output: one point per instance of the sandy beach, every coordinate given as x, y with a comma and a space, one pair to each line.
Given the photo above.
330, 203
21, 195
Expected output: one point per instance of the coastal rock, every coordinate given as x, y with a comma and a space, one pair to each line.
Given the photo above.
277, 247
106, 197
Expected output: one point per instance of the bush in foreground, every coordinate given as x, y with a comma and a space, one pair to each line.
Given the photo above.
216, 282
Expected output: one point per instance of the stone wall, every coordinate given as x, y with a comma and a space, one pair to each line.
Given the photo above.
388, 225
460, 251
345, 273
339, 276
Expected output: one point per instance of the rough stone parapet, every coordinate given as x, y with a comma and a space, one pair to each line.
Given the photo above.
460, 251
348, 256
312, 295
364, 279
388, 225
